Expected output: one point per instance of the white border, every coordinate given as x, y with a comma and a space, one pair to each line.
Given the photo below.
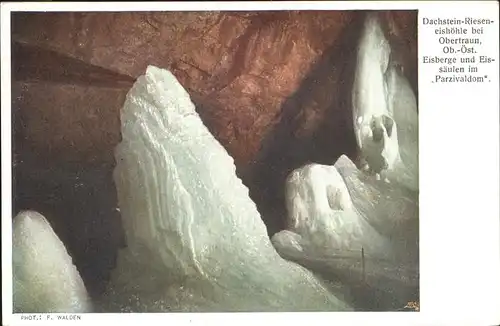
6, 164
459, 173
240, 5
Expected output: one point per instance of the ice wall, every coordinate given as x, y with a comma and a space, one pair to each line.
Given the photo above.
44, 277
403, 105
195, 239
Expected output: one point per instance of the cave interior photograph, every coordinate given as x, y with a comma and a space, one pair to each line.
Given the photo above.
301, 104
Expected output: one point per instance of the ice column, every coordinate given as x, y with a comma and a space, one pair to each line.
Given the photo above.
374, 102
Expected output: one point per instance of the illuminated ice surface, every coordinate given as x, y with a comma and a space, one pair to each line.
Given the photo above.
321, 211
373, 122
384, 111
336, 211
339, 210
44, 277
195, 239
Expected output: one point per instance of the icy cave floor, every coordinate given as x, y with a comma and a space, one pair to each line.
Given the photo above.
382, 289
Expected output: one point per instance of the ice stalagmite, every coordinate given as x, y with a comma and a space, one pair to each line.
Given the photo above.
195, 239
44, 277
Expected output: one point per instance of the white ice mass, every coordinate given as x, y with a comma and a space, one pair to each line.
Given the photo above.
195, 239
338, 210
384, 110
44, 277
335, 212
321, 211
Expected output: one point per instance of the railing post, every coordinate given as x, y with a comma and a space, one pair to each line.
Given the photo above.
363, 263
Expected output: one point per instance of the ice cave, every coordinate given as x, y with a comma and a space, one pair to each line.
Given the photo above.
215, 161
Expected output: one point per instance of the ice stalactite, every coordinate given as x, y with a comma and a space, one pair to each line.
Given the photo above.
44, 277
195, 239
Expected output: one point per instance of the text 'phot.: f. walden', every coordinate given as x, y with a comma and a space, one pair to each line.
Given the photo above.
51, 317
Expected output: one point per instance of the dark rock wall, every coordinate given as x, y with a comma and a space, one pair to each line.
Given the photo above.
273, 87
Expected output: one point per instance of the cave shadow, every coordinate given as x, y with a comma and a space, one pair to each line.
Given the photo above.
80, 205
78, 199
282, 151
62, 69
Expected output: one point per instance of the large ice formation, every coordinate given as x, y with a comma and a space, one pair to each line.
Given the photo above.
339, 210
195, 239
384, 110
44, 277
376, 133
335, 212
320, 209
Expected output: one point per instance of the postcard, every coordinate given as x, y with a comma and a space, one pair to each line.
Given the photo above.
286, 162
